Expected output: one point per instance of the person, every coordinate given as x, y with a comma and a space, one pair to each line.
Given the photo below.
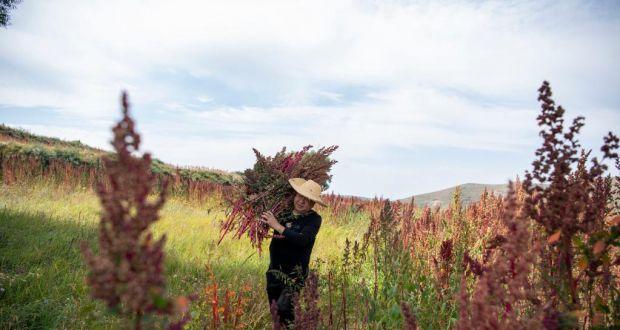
291, 246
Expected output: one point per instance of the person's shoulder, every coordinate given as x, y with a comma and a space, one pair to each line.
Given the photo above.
315, 216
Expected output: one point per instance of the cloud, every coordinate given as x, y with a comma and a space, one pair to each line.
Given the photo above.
372, 77
501, 49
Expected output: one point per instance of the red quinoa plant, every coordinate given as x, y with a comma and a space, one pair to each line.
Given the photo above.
504, 292
266, 188
555, 263
307, 311
127, 272
570, 201
410, 320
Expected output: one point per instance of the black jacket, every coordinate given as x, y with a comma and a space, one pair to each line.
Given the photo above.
292, 249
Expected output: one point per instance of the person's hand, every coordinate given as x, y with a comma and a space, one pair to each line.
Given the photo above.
269, 219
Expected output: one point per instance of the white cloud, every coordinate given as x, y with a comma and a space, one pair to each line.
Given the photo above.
495, 48
441, 74
204, 99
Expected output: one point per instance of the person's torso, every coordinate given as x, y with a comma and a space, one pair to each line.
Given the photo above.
286, 255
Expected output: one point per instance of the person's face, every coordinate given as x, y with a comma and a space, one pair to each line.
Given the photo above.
302, 204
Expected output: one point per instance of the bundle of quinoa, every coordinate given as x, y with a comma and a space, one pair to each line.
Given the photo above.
266, 188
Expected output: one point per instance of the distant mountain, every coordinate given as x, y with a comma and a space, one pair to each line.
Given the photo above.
470, 192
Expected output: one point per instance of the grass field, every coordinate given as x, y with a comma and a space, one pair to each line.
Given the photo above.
42, 271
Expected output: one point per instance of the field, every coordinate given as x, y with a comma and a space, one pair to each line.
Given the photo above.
43, 271
545, 256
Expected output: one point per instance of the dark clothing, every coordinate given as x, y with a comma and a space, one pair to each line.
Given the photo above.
289, 255
275, 288
293, 250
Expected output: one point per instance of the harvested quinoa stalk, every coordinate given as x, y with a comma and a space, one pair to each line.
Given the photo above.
266, 188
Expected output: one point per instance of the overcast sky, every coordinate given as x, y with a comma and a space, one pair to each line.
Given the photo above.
419, 95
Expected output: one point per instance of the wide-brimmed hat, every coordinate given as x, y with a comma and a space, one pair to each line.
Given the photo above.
307, 188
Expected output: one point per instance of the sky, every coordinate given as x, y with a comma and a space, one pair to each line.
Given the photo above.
418, 95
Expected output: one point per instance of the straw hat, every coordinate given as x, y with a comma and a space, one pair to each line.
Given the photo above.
307, 188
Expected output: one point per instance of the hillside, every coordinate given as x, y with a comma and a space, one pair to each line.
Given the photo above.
18, 142
470, 192
14, 142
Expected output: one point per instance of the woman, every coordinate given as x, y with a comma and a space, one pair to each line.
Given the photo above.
291, 246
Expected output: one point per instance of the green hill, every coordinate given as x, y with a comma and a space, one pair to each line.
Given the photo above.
20, 143
470, 192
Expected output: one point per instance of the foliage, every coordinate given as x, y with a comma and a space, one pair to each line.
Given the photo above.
66, 161
504, 290
127, 272
571, 207
307, 312
5, 7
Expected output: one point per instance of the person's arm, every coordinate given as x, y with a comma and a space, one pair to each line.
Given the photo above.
307, 234
272, 222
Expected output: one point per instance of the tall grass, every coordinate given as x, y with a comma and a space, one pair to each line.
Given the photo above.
41, 225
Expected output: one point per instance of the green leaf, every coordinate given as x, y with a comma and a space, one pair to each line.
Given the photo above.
395, 311
160, 302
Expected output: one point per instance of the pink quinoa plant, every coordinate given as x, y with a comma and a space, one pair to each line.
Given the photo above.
410, 320
307, 312
127, 271
275, 317
443, 266
266, 188
570, 201
504, 290
551, 263
472, 266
